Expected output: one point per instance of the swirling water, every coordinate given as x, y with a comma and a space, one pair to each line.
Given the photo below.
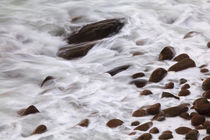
31, 32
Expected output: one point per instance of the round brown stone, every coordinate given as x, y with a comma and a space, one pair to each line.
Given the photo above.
114, 123
204, 70
145, 136
157, 75
185, 86
84, 123
181, 57
139, 83
139, 113
169, 85
184, 92
154, 130
146, 92
182, 65
167, 53
192, 135
183, 130
197, 120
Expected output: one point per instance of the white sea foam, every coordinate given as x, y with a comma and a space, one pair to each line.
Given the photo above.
31, 32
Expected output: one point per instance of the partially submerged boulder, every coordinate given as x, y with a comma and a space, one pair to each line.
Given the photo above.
182, 65
157, 75
118, 70
181, 57
114, 123
167, 53
176, 110
30, 110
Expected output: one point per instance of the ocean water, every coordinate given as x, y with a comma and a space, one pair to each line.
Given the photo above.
32, 31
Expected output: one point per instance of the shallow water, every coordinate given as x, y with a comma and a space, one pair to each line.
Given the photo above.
31, 32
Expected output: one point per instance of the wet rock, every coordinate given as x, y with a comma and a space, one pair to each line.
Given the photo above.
197, 120
185, 86
183, 130
132, 133
199, 127
208, 44
153, 109
48, 78
166, 135
202, 106
144, 127
185, 116
167, 53
206, 94
193, 114
30, 110
145, 136
168, 95
206, 124
182, 65
176, 110
40, 129
139, 113
136, 53
96, 31
84, 123
208, 130
159, 117
170, 85
191, 34
139, 83
184, 92
75, 50
204, 70
206, 84
192, 135
202, 66
181, 57
118, 70
114, 123
206, 138
157, 75
74, 19
154, 130
146, 92
182, 81
141, 42
135, 123
137, 75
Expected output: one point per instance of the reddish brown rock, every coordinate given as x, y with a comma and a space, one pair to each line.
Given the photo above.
197, 120
185, 116
40, 129
176, 110
139, 83
118, 70
206, 138
202, 106
153, 109
167, 53
84, 123
139, 113
137, 75
183, 130
204, 70
96, 31
206, 94
185, 86
168, 95
206, 84
132, 133
154, 130
191, 34
182, 81
169, 85
166, 135
206, 124
30, 110
146, 92
75, 50
144, 126
48, 78
182, 65
114, 123
181, 57
208, 44
145, 136
193, 114
192, 135
157, 75
184, 92
199, 127
135, 123
137, 53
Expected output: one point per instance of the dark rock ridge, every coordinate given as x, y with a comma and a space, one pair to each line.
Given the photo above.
89, 35
182, 65
96, 31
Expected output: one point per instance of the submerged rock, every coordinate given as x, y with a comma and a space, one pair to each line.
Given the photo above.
48, 78
118, 70
84, 123
167, 53
135, 123
157, 75
114, 123
166, 135
96, 31
146, 92
208, 44
159, 117
182, 65
139, 83
191, 34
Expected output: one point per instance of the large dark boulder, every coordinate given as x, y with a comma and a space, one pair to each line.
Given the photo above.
157, 75
176, 110
96, 31
182, 65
